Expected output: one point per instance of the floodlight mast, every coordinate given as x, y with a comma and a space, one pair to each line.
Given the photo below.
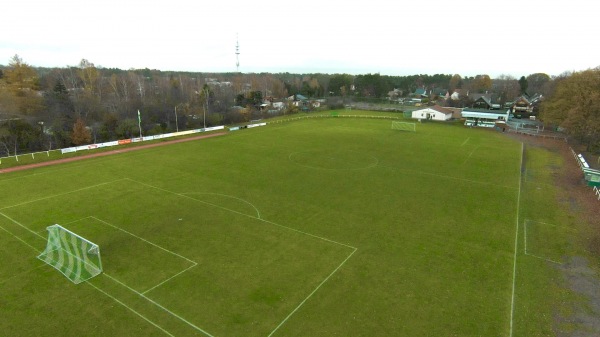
237, 54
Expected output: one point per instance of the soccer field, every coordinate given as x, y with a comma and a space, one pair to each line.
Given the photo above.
317, 227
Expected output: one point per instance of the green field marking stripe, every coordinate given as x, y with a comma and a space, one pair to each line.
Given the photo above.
62, 194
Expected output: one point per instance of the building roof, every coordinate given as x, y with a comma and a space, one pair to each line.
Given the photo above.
441, 109
485, 114
436, 108
421, 91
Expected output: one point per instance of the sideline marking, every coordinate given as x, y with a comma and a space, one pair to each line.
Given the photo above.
514, 278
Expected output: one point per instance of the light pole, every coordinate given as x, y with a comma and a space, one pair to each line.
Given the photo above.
176, 124
206, 98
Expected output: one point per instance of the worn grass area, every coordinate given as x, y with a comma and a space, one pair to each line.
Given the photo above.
318, 227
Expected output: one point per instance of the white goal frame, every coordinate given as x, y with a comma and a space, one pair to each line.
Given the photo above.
404, 126
74, 256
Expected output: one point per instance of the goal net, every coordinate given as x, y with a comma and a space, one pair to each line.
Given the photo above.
75, 257
403, 126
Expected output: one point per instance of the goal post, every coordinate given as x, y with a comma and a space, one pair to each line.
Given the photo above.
404, 126
74, 256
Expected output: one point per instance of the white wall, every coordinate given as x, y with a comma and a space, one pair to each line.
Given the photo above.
433, 114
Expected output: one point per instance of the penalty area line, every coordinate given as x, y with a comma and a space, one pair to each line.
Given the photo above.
158, 305
130, 309
312, 293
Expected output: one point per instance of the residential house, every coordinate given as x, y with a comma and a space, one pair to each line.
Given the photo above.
420, 93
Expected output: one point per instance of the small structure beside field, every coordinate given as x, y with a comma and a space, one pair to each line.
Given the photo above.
436, 113
484, 118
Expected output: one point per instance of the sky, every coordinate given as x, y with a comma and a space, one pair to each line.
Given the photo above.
466, 37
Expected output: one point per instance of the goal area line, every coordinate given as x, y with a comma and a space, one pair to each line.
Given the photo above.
144, 294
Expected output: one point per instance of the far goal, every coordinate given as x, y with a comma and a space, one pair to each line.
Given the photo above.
75, 257
404, 126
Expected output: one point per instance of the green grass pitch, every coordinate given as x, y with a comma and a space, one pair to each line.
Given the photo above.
318, 227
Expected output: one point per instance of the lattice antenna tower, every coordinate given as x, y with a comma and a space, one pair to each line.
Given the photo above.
237, 53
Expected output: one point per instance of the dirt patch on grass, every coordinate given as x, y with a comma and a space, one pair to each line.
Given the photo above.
580, 273
103, 154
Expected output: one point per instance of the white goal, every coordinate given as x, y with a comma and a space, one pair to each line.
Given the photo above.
404, 126
75, 257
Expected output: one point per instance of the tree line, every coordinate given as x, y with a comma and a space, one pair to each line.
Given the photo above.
48, 108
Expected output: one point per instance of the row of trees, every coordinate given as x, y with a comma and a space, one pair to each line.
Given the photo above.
41, 107
574, 105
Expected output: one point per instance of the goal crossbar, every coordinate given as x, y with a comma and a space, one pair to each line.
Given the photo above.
74, 256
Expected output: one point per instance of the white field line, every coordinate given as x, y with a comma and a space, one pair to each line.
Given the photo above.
20, 224
61, 194
232, 197
130, 309
514, 278
22, 273
545, 259
370, 165
525, 234
552, 225
445, 176
354, 249
240, 213
469, 156
158, 305
169, 279
525, 241
194, 263
116, 300
465, 142
312, 293
146, 241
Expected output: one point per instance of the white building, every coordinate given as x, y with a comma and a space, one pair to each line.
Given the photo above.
436, 113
